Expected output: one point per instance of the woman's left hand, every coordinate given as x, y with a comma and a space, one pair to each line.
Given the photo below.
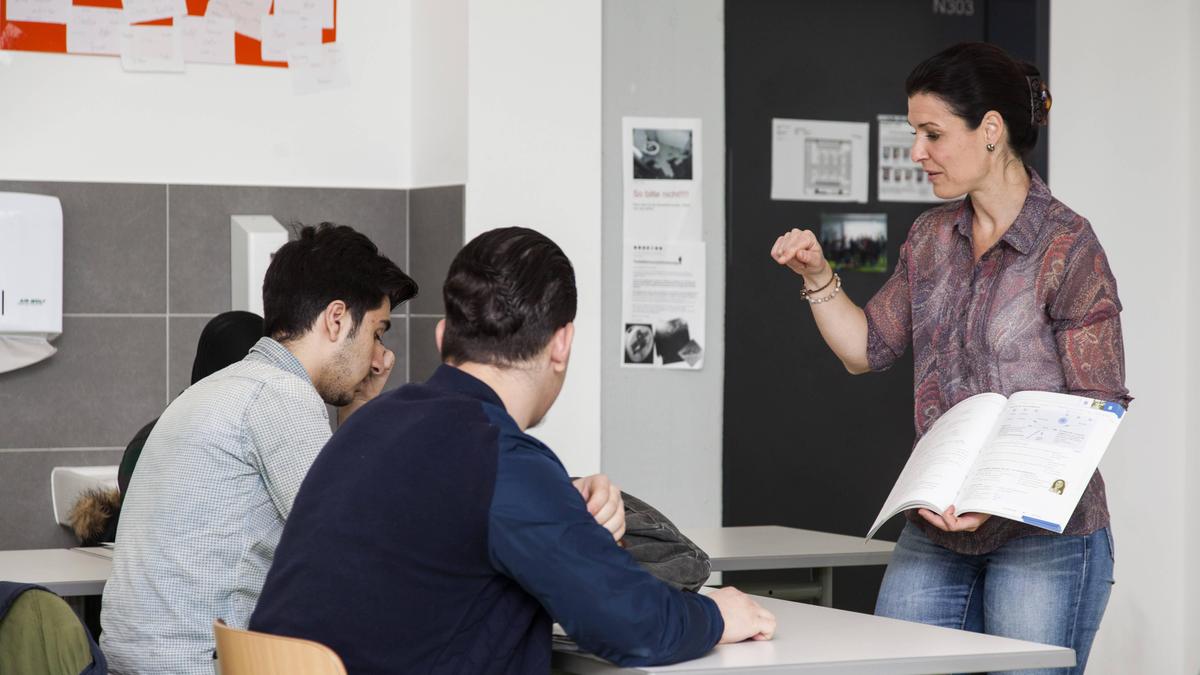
949, 522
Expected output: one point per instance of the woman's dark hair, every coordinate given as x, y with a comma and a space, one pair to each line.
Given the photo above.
226, 339
326, 263
507, 291
975, 77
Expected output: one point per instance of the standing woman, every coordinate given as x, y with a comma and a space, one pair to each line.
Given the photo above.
1003, 290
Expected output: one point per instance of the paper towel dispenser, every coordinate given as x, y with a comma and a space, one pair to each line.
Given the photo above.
31, 278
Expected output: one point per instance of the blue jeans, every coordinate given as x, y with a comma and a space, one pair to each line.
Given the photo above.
1050, 589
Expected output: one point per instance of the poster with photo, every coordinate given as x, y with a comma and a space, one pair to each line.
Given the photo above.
819, 161
662, 181
855, 241
899, 179
662, 305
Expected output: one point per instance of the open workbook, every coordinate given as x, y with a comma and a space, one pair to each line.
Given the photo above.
1028, 457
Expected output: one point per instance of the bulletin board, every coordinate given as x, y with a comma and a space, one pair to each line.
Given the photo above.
32, 36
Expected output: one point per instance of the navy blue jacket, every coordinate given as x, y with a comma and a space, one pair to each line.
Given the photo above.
433, 536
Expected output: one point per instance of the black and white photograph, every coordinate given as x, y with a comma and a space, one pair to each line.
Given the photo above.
662, 154
671, 338
639, 343
855, 241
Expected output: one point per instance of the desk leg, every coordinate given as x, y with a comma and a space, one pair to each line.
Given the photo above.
825, 578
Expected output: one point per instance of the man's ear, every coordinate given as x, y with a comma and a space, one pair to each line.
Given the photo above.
560, 347
335, 321
438, 332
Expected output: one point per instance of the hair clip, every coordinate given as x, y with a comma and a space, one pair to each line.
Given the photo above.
1039, 101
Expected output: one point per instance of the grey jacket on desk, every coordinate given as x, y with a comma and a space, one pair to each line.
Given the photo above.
661, 548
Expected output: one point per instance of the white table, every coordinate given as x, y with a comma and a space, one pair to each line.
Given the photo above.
67, 572
812, 639
770, 547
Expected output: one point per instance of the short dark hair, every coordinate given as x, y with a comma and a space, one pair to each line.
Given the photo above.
326, 263
507, 292
975, 77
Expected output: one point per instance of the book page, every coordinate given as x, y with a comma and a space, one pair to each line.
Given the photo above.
943, 457
1040, 457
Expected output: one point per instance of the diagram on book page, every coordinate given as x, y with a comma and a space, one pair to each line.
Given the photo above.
1062, 427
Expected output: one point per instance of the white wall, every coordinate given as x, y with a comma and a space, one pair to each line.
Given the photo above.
1119, 155
439, 92
216, 124
662, 430
533, 159
1191, 597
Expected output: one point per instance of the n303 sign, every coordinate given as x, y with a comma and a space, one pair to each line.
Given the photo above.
954, 7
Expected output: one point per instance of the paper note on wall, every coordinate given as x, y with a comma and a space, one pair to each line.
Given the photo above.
819, 161
663, 305
44, 11
661, 178
318, 68
281, 33
137, 11
321, 9
207, 39
151, 49
95, 30
246, 14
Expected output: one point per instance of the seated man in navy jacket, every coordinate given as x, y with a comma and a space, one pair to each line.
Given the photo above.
433, 535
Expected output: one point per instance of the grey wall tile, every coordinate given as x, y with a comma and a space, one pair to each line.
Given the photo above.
396, 339
200, 230
185, 333
435, 237
28, 520
422, 348
106, 381
114, 243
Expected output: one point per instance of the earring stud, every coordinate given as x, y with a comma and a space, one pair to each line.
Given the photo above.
991, 147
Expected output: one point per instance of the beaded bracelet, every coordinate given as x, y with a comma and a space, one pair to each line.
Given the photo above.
806, 292
837, 288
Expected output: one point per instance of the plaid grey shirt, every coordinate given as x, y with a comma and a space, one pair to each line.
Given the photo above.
205, 509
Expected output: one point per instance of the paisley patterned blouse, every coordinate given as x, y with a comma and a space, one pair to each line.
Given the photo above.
1038, 311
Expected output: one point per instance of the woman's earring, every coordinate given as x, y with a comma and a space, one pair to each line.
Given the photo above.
991, 147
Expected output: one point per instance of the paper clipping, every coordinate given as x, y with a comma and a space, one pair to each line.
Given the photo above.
318, 68
662, 305
42, 11
900, 179
662, 182
151, 49
95, 30
207, 39
819, 161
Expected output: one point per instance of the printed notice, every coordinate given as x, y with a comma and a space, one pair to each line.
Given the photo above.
95, 30
42, 11
662, 305
819, 161
662, 181
899, 178
153, 49
207, 39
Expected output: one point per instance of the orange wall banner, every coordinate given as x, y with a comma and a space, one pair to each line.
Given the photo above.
37, 36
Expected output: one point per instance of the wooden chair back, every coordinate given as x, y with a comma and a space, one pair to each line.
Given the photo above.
247, 652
